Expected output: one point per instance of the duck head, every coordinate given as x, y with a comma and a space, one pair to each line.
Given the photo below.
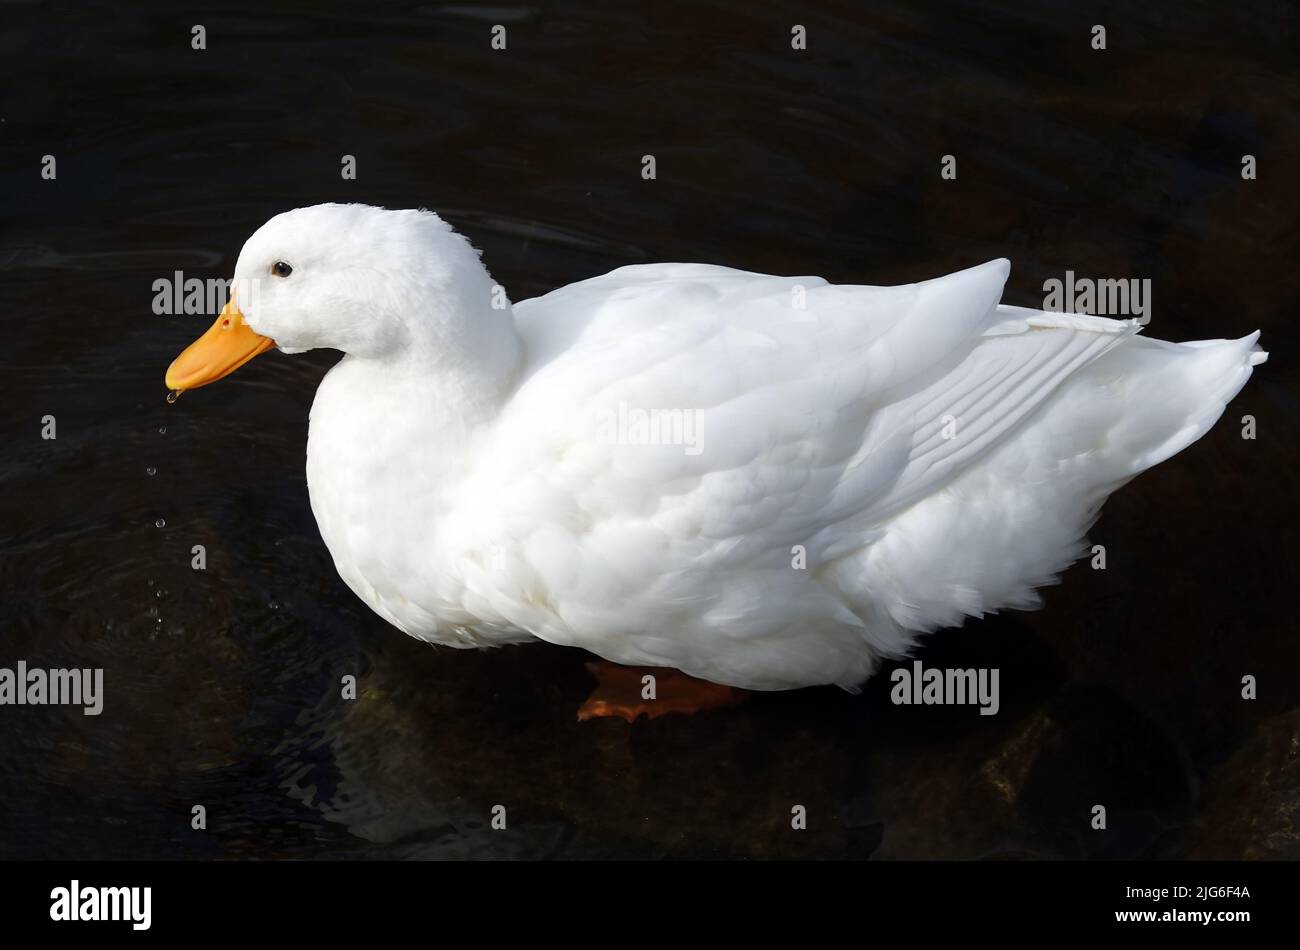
372, 282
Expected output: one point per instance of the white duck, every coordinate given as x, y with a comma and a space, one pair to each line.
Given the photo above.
763, 482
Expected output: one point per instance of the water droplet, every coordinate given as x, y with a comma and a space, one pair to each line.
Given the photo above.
274, 605
160, 523
174, 395
160, 593
162, 430
151, 470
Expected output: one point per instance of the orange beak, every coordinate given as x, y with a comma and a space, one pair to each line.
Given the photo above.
228, 345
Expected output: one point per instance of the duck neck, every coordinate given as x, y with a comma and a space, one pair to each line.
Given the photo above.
465, 381
374, 417
462, 352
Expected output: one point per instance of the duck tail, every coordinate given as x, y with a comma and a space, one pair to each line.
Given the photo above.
1181, 390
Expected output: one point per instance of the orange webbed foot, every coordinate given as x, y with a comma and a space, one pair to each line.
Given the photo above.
625, 691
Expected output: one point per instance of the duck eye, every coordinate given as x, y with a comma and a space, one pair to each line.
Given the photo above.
281, 269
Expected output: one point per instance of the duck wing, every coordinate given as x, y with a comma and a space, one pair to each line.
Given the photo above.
790, 411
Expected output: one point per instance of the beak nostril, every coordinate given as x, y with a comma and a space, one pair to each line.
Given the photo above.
225, 322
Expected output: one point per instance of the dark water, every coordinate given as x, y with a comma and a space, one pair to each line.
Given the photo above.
222, 686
